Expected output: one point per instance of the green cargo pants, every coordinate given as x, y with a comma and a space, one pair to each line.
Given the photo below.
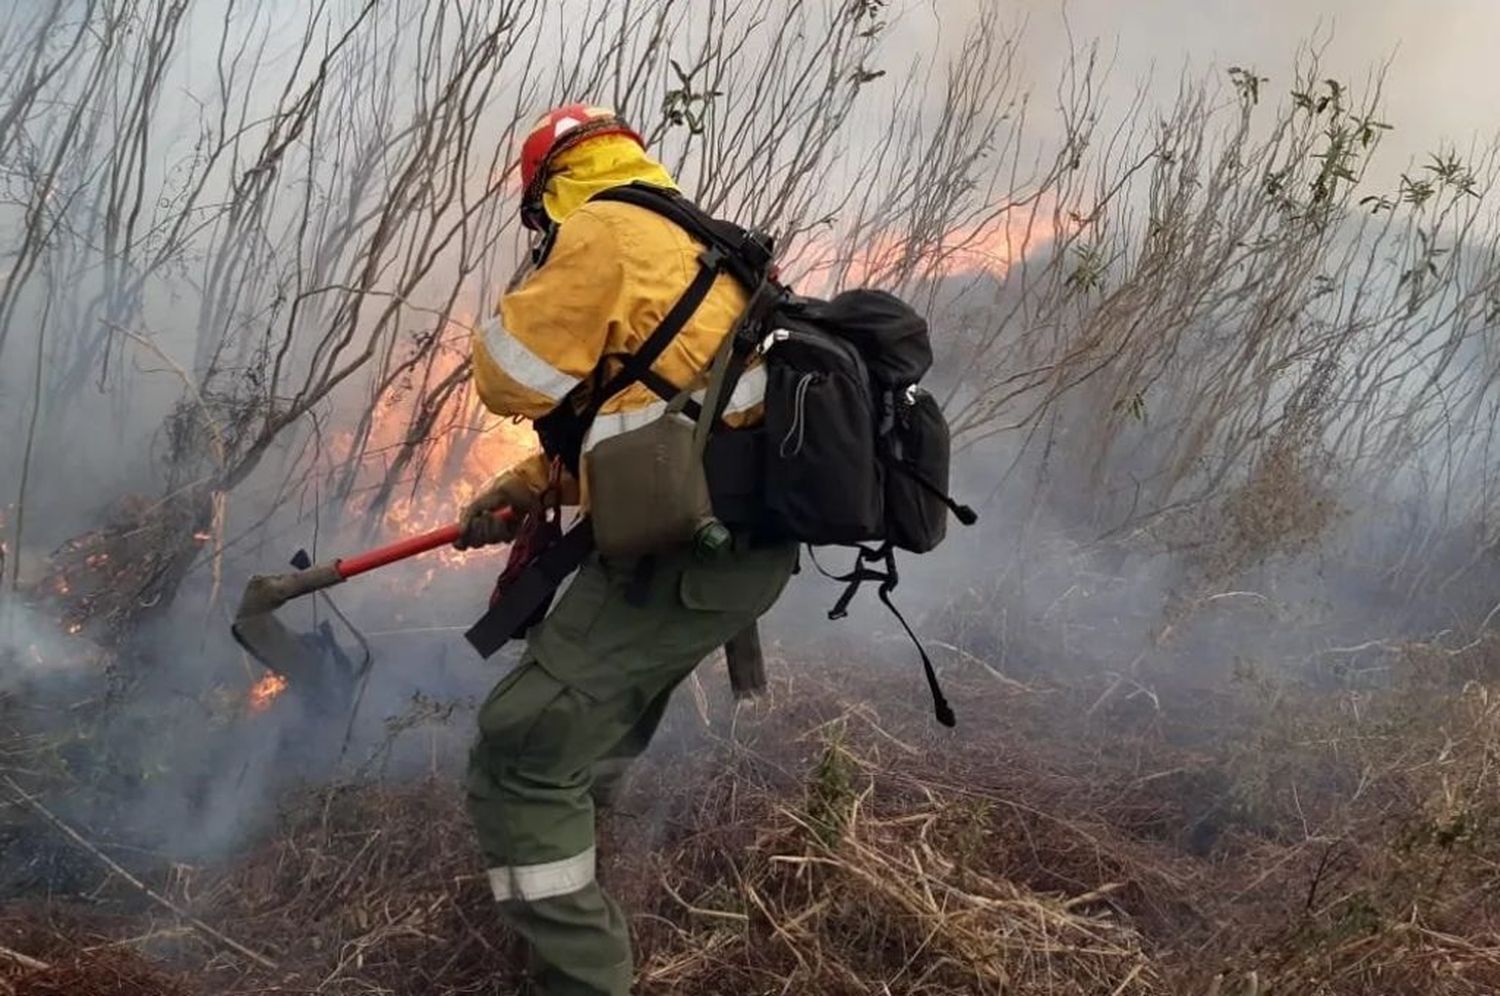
585, 699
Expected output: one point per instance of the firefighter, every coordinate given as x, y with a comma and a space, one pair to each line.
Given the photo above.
597, 673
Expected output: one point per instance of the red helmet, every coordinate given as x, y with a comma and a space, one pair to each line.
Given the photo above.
557, 131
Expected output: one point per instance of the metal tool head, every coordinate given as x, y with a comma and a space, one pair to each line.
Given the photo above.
265, 593
307, 662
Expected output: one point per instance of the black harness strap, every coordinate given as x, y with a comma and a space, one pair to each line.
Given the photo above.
562, 429
638, 365
666, 390
737, 252
638, 586
887, 577
747, 259
729, 249
532, 590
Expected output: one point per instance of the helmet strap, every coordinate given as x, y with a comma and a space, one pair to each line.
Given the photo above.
534, 214
542, 240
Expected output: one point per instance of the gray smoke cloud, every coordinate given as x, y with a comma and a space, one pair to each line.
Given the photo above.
213, 785
1441, 88
35, 649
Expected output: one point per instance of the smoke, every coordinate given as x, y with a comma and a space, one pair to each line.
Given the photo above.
1049, 582
1439, 86
35, 653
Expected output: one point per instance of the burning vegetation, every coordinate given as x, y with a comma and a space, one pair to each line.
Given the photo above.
418, 474
265, 691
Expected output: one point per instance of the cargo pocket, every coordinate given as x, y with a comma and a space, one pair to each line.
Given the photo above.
512, 710
744, 587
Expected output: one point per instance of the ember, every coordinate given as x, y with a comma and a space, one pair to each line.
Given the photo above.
265, 691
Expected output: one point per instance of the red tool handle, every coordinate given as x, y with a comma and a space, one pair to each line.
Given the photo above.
360, 563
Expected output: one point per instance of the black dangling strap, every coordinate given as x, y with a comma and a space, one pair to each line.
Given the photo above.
858, 575
963, 513
940, 706
638, 587
888, 579
856, 580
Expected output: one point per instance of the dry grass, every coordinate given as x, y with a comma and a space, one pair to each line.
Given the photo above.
870, 880
1284, 507
828, 848
70, 957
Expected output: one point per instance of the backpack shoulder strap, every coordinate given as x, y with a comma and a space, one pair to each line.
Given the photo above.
747, 254
562, 429
728, 248
638, 364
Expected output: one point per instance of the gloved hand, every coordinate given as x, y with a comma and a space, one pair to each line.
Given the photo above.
481, 526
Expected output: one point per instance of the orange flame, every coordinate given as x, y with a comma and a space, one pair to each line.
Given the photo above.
462, 456
265, 691
459, 468
991, 246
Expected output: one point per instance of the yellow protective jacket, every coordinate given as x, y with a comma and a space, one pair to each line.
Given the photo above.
614, 272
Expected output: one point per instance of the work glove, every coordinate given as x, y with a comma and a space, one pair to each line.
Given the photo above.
481, 526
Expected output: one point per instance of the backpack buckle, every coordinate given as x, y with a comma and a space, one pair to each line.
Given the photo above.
772, 339
758, 249
713, 258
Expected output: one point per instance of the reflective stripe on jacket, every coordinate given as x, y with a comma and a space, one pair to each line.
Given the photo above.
613, 274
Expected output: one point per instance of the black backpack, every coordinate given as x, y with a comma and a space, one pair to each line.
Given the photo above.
852, 450
858, 451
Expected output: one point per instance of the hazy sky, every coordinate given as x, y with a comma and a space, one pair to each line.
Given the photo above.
1444, 81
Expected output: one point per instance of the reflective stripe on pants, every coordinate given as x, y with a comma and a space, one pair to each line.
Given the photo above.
543, 881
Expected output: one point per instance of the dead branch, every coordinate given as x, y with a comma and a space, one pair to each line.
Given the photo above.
25, 961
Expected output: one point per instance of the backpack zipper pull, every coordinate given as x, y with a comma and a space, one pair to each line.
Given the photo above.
775, 338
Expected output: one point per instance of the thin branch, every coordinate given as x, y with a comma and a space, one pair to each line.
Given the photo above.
21, 795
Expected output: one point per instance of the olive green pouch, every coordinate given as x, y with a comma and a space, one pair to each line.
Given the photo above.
648, 491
